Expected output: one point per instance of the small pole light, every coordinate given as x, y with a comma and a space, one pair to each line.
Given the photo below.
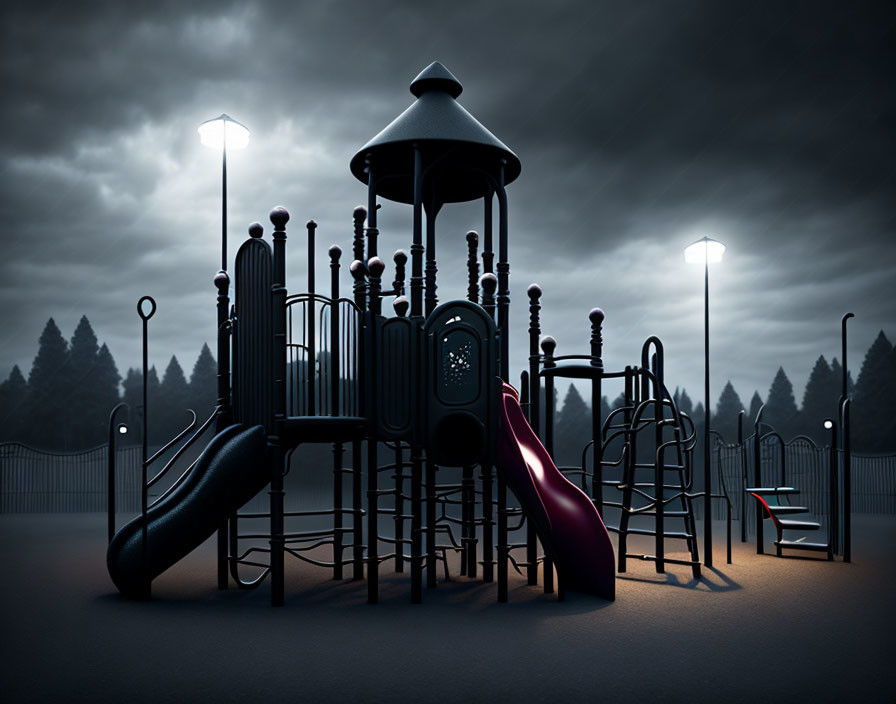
828, 424
122, 429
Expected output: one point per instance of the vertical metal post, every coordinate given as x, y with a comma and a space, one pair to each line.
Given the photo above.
488, 284
311, 370
279, 218
596, 316
847, 481
707, 458
110, 488
468, 484
417, 244
503, 279
432, 299
372, 230
548, 346
757, 479
375, 267
335, 372
534, 395
416, 526
224, 198
833, 500
222, 283
628, 472
359, 290
144, 495
741, 443
659, 479
488, 250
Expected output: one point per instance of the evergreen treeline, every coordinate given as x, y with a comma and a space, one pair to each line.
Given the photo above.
73, 386
65, 402
873, 407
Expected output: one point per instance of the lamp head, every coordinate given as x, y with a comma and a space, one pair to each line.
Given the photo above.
223, 131
704, 251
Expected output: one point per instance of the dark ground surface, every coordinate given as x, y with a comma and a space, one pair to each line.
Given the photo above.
761, 629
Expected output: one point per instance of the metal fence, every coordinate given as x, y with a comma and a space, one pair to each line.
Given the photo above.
804, 466
37, 481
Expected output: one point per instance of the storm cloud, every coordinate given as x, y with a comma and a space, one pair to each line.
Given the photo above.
640, 127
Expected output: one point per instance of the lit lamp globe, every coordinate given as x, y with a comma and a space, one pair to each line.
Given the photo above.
704, 251
223, 132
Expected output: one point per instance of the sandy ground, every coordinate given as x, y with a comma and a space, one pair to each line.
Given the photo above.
760, 630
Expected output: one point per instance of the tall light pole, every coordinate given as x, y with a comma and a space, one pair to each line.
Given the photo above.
220, 133
705, 251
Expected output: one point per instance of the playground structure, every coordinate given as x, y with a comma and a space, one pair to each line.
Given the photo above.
424, 389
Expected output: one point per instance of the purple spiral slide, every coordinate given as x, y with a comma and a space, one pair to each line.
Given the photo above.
567, 523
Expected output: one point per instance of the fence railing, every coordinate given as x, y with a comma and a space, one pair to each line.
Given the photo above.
873, 478
38, 481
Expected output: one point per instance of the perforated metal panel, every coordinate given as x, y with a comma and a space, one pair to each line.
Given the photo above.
461, 383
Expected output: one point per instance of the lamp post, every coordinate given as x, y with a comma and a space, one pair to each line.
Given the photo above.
220, 133
705, 251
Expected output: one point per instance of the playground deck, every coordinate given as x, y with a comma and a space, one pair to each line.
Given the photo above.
765, 628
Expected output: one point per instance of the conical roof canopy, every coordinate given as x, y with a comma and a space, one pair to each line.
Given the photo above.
458, 152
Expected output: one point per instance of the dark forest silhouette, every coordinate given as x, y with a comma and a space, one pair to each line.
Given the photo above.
64, 403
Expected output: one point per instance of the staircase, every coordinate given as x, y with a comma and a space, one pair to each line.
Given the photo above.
775, 503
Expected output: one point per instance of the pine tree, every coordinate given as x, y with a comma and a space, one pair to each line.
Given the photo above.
573, 429
819, 401
727, 411
45, 413
780, 408
13, 393
104, 380
755, 405
872, 409
698, 415
174, 397
80, 394
133, 396
685, 405
204, 384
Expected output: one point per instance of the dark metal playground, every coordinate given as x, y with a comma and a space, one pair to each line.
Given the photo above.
445, 556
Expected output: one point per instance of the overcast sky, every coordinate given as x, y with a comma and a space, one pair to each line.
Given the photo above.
641, 127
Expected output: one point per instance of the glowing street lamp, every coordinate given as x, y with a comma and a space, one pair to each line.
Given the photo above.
706, 251
220, 133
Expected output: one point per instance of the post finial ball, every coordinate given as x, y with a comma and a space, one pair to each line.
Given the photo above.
400, 257
279, 217
488, 282
358, 269
222, 280
376, 266
548, 345
473, 237
335, 252
256, 230
401, 305
360, 213
596, 316
534, 291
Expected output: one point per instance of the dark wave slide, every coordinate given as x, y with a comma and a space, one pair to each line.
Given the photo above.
230, 471
568, 524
